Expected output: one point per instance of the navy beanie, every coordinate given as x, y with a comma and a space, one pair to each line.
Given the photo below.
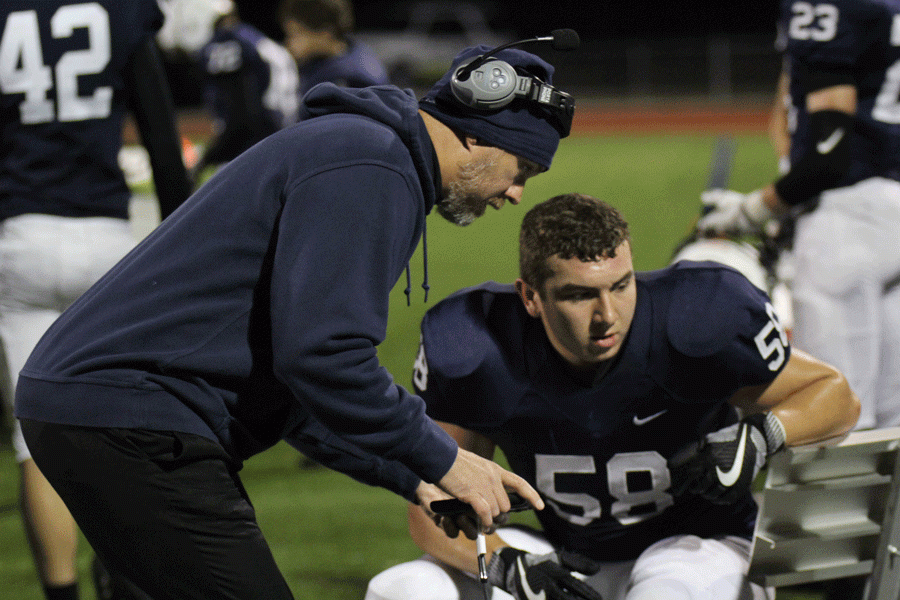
521, 128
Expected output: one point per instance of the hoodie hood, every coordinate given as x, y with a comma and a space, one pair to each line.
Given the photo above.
396, 108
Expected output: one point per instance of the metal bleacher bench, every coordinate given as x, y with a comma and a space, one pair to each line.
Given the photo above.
831, 512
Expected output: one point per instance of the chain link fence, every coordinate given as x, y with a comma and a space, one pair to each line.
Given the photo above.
715, 69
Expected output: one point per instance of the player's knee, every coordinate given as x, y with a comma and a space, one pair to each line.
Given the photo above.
416, 580
692, 568
672, 589
661, 589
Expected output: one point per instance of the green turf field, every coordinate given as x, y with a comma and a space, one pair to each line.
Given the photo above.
330, 534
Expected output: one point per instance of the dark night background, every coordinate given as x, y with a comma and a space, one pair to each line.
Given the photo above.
593, 19
673, 39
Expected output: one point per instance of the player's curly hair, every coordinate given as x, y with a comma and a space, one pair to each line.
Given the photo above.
319, 15
568, 225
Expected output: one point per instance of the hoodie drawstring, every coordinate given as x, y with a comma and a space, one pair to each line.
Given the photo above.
425, 286
408, 289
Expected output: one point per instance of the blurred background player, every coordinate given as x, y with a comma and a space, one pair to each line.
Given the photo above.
318, 33
252, 86
602, 391
187, 27
845, 166
67, 83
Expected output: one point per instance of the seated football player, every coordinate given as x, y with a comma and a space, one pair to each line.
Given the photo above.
640, 405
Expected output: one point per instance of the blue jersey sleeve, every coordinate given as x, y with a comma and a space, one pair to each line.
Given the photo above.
724, 332
461, 358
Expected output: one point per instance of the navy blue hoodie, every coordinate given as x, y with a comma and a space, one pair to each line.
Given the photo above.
252, 314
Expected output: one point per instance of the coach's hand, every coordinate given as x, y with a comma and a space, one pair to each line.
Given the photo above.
726, 212
722, 466
427, 493
483, 485
527, 576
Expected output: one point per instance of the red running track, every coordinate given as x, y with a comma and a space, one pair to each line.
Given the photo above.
589, 120
679, 119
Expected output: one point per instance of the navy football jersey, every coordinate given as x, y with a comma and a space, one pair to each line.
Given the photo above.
63, 103
862, 38
265, 64
597, 451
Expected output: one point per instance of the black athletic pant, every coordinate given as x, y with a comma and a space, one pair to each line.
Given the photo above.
164, 510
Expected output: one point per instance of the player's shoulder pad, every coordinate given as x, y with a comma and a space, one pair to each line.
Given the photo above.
710, 306
459, 333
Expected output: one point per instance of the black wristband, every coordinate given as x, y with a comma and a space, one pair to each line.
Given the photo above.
825, 161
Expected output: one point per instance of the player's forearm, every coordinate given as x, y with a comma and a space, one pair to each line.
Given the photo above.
828, 154
823, 408
779, 132
458, 552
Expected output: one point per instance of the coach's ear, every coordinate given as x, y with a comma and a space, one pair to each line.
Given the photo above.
529, 297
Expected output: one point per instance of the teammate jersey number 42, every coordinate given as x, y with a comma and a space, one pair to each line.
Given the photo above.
23, 70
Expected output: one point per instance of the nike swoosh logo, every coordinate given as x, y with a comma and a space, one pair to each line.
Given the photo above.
729, 477
646, 420
526, 589
827, 145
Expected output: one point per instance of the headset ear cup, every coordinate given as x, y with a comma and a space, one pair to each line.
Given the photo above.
491, 85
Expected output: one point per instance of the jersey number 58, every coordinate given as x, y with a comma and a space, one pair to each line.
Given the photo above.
637, 483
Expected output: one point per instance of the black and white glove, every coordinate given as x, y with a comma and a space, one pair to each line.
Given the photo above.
529, 576
722, 466
726, 212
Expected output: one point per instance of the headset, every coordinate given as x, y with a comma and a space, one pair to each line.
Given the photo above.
486, 83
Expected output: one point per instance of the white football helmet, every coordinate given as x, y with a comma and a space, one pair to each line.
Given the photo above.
740, 256
189, 24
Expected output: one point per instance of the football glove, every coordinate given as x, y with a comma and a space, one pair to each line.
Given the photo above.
722, 466
726, 212
529, 576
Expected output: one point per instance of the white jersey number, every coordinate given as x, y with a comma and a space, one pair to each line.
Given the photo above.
633, 502
420, 369
283, 93
817, 23
22, 68
774, 348
887, 103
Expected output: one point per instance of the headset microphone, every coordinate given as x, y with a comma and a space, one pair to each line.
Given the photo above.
560, 39
487, 83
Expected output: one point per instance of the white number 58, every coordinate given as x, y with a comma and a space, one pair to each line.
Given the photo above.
776, 346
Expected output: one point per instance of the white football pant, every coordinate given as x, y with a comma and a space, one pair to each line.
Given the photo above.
46, 263
847, 292
676, 568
